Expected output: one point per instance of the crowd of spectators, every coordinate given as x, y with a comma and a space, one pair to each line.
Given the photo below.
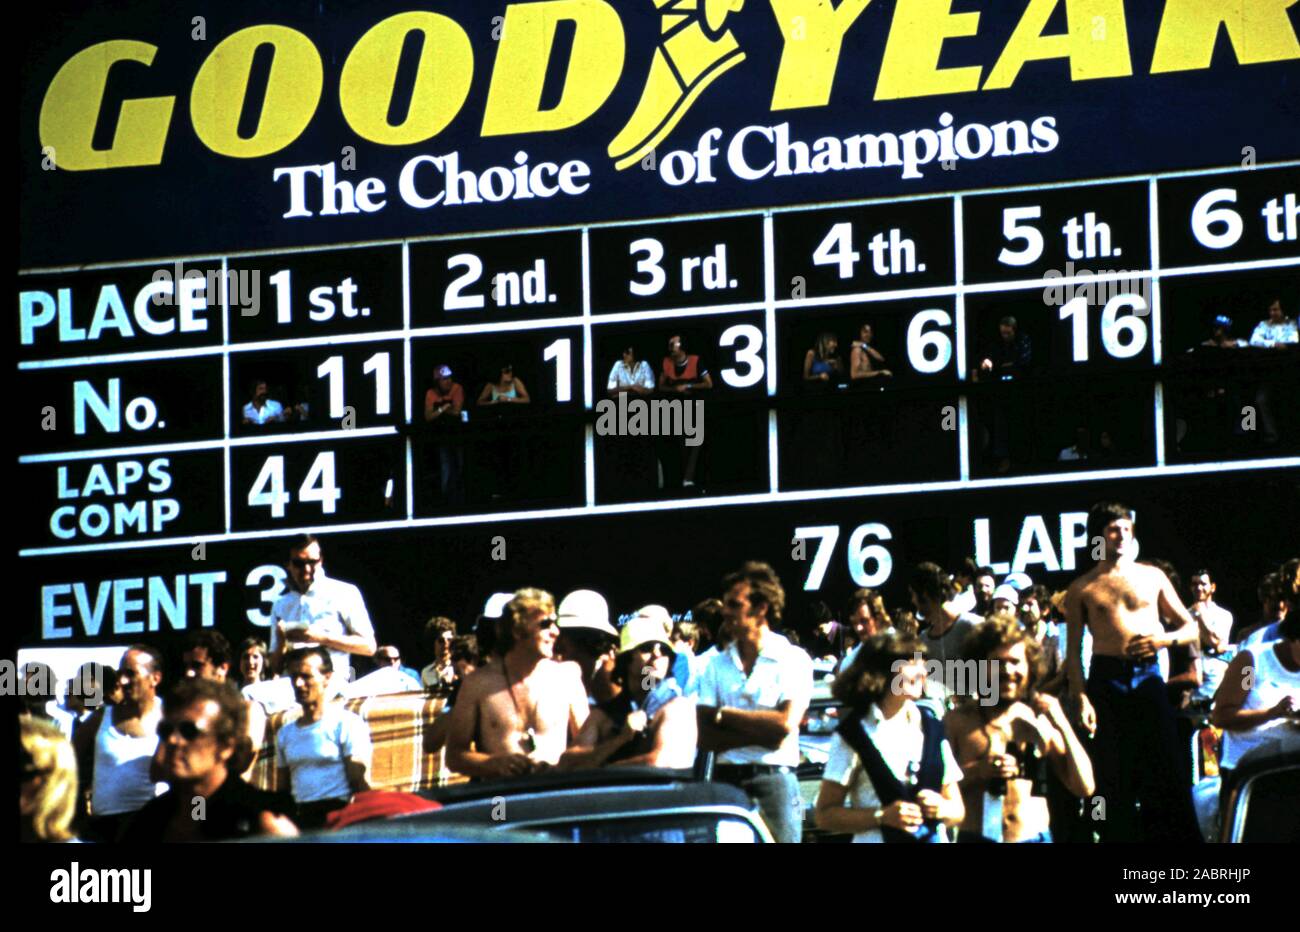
987, 709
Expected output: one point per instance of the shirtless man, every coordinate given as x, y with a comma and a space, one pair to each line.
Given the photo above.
521, 711
1004, 748
1126, 703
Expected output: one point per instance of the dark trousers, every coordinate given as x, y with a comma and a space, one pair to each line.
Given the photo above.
106, 829
778, 799
1135, 755
313, 815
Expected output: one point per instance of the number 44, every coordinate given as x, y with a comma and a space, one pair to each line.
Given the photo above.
268, 488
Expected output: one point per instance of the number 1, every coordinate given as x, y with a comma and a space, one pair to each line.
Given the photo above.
560, 352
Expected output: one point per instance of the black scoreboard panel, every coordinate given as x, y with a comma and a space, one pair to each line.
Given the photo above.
138, 449
670, 553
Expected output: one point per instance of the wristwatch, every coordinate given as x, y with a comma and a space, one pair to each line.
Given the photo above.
879, 815
717, 719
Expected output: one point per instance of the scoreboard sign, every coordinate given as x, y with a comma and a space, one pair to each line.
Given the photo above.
941, 274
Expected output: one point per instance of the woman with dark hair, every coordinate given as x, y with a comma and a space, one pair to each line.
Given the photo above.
822, 362
502, 454
252, 662
505, 389
888, 756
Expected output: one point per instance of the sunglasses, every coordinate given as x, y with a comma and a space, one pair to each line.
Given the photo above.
548, 622
301, 564
188, 730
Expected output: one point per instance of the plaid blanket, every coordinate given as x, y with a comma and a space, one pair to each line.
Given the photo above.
397, 725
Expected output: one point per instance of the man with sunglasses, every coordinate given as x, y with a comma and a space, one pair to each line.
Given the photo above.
651, 722
319, 611
520, 711
207, 801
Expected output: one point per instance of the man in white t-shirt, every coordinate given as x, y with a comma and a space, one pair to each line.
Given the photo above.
1214, 620
325, 753
752, 697
944, 629
317, 610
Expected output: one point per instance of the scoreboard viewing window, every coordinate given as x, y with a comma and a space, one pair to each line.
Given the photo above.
576, 294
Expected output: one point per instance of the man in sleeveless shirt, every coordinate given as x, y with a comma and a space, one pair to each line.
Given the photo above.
124, 745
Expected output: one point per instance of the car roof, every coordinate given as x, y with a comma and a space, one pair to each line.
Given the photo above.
390, 831
558, 780
588, 796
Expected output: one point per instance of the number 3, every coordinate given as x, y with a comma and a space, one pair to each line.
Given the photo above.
748, 356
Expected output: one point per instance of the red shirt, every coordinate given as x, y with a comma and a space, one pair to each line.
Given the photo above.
456, 396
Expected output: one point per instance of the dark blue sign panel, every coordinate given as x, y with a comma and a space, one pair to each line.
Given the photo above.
151, 131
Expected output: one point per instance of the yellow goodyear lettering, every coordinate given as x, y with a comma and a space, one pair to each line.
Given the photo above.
293, 90
527, 41
910, 67
813, 34
442, 79
75, 97
1093, 52
1260, 31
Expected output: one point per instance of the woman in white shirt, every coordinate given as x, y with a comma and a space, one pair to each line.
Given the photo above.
891, 775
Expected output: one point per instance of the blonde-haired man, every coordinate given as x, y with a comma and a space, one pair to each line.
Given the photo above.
519, 712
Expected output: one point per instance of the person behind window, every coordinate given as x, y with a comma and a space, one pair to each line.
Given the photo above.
1276, 332
263, 409
503, 452
865, 362
443, 405
506, 389
630, 374
632, 469
685, 374
822, 363
1221, 334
